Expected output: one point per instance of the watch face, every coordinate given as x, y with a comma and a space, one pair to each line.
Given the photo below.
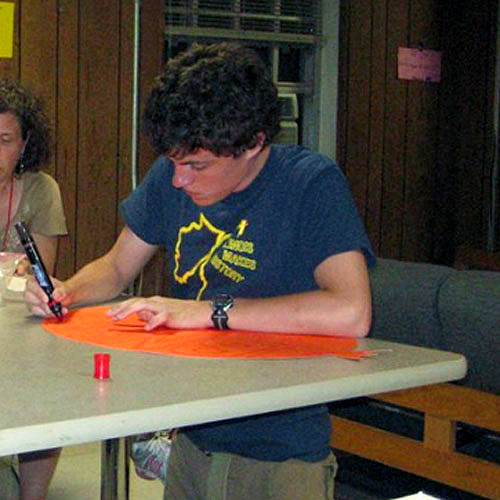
220, 305
223, 301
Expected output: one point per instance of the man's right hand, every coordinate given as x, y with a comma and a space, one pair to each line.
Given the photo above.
37, 301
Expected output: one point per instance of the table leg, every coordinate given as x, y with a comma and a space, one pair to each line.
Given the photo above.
114, 469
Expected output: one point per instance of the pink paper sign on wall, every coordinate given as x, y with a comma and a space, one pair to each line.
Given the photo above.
419, 64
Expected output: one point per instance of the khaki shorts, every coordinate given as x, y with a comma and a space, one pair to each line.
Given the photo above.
9, 483
195, 475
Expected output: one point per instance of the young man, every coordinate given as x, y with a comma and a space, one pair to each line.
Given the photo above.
258, 237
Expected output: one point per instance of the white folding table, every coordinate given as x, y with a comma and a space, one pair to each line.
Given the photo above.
49, 397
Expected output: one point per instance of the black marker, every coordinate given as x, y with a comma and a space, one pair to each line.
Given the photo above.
38, 267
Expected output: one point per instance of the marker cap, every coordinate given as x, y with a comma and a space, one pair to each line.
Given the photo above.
101, 365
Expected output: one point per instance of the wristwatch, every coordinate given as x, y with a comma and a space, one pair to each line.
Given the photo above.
220, 305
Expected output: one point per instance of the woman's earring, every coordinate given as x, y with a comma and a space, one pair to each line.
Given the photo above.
20, 167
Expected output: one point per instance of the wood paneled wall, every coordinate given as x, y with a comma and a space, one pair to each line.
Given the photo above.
418, 155
78, 56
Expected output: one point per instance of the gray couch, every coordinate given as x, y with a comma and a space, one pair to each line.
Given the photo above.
443, 308
440, 307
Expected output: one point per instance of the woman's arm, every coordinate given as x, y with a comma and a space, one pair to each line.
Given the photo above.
47, 246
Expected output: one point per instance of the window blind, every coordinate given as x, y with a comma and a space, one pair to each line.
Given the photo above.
282, 21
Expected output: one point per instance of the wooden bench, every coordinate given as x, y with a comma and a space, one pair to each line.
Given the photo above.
435, 457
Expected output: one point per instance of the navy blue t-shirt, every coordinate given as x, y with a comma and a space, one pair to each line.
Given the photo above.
264, 241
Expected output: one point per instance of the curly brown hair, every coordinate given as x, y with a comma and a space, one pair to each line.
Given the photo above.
33, 121
217, 97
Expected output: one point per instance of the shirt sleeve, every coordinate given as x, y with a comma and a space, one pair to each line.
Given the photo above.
146, 209
330, 223
44, 208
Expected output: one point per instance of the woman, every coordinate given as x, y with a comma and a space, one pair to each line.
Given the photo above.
28, 195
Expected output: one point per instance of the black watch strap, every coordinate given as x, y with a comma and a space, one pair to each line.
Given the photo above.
220, 305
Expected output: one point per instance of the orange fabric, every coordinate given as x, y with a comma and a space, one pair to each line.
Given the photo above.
91, 325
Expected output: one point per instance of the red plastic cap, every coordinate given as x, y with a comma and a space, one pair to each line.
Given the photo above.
101, 365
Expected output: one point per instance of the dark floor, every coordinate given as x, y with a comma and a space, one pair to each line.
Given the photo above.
360, 479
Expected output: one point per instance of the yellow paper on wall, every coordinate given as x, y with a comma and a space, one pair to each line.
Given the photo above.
6, 29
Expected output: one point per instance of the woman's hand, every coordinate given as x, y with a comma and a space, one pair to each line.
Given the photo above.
23, 267
173, 313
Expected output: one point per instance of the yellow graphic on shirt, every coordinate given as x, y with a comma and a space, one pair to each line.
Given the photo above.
241, 227
199, 266
225, 263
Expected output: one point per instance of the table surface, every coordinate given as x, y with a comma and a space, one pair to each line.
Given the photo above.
49, 396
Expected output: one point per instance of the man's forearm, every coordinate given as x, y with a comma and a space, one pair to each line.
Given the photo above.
95, 282
309, 312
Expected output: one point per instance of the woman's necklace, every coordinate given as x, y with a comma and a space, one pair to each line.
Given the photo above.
9, 212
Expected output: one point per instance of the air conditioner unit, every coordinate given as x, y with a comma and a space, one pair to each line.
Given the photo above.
289, 106
289, 114
289, 133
